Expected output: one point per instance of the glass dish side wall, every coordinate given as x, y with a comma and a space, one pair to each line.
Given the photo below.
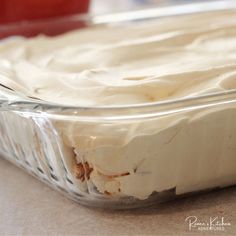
125, 164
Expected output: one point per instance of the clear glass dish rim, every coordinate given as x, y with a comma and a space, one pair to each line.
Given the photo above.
145, 110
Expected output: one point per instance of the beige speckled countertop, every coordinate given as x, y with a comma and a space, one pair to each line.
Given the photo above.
29, 207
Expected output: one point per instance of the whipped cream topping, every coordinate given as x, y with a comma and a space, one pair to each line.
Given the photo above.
129, 64
155, 60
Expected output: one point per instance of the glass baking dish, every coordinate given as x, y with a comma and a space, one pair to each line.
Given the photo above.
123, 156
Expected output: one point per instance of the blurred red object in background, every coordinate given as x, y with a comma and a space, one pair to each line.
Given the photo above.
32, 17
19, 10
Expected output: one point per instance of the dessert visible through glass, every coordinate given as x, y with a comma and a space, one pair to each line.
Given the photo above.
160, 60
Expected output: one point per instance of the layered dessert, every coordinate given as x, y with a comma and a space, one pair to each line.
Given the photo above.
161, 60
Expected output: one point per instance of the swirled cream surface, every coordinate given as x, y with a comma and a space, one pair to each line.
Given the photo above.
127, 64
